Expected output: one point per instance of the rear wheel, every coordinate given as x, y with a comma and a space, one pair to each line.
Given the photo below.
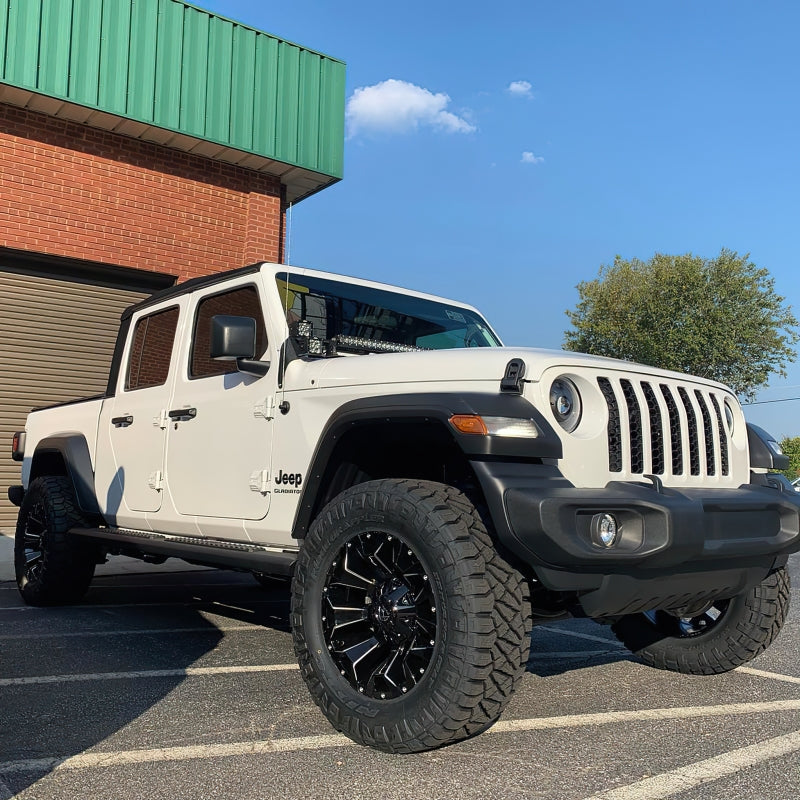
408, 625
51, 567
723, 636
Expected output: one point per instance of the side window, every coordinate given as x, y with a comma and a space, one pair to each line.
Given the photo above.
242, 302
151, 348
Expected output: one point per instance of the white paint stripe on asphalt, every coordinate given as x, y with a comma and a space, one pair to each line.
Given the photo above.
211, 628
643, 715
186, 753
776, 676
192, 604
150, 673
319, 742
578, 635
689, 777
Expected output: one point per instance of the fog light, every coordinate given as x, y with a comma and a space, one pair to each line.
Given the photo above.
605, 530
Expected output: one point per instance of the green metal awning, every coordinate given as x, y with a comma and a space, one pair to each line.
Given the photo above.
168, 72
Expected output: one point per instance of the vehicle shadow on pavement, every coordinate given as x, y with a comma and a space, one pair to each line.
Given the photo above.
73, 677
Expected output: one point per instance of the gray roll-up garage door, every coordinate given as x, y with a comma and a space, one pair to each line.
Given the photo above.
57, 335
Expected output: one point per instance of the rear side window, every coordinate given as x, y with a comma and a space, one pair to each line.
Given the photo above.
242, 302
151, 349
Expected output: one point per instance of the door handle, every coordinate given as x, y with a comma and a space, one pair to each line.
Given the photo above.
182, 413
122, 422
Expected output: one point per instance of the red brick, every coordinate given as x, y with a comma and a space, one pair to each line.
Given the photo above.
73, 191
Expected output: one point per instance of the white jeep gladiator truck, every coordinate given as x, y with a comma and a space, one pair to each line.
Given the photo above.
431, 492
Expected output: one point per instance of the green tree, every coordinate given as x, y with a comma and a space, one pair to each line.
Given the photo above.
791, 447
718, 318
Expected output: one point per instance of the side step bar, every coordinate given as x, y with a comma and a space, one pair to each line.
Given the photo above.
196, 550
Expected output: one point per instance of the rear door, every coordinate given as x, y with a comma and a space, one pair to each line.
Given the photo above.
133, 423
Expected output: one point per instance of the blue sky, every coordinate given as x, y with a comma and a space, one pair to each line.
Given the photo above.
501, 153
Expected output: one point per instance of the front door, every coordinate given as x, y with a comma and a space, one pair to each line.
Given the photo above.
219, 435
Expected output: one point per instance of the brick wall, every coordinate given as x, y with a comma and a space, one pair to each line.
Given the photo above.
74, 191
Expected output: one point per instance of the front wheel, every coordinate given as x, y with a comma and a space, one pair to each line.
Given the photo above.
407, 623
724, 636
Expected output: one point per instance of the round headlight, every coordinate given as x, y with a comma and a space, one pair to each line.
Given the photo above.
729, 416
565, 403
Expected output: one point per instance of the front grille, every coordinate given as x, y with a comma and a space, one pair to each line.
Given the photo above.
671, 428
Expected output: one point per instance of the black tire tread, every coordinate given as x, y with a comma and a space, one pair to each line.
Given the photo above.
751, 623
492, 651
67, 565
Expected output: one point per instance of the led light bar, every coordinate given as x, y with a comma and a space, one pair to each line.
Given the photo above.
357, 343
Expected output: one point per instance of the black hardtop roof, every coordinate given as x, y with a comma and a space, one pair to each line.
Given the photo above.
190, 286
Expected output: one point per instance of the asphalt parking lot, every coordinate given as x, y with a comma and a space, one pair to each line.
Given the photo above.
167, 684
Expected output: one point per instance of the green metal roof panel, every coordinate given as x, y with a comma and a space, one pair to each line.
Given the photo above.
174, 66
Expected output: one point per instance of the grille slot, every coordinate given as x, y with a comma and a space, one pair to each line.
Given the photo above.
691, 420
674, 430
656, 429
666, 428
614, 429
723, 438
635, 424
708, 433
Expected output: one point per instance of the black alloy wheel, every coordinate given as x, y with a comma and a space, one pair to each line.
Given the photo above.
51, 567
685, 627
379, 615
409, 626
727, 634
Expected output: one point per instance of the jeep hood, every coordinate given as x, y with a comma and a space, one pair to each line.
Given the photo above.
459, 366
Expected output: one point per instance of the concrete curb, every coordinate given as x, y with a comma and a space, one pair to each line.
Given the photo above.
117, 565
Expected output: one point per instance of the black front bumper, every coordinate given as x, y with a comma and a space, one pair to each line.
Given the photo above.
675, 548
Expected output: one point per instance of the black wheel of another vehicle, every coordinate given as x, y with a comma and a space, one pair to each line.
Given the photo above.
51, 567
408, 624
725, 635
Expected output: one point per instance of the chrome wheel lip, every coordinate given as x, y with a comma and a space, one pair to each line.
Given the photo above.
379, 618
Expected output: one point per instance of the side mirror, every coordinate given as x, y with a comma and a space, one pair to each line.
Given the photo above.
234, 338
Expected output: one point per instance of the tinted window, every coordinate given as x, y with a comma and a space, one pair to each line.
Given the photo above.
242, 302
151, 348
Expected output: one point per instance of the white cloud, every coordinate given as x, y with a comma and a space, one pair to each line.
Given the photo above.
398, 106
520, 88
530, 158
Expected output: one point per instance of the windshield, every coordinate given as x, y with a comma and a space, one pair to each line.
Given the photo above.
351, 314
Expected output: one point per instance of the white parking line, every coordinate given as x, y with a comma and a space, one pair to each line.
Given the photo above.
775, 676
319, 742
689, 777
643, 715
186, 604
150, 673
210, 628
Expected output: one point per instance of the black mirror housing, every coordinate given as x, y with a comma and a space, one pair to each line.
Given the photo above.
232, 337
765, 452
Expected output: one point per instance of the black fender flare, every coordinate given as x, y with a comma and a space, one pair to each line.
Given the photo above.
435, 407
74, 451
